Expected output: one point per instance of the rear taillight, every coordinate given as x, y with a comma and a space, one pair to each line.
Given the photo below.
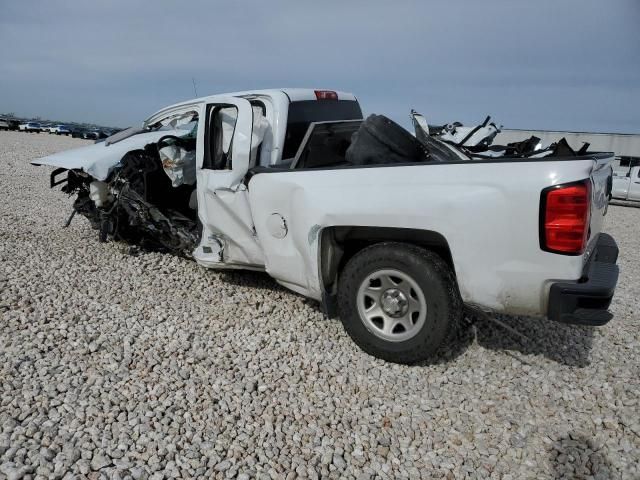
565, 214
326, 95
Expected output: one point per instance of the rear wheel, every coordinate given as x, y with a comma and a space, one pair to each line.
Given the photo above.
398, 302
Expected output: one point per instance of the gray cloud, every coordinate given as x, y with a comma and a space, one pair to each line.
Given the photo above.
547, 64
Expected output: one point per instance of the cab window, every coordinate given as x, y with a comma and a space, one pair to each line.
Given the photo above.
221, 128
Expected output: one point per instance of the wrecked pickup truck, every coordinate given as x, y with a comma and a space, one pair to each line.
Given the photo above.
394, 232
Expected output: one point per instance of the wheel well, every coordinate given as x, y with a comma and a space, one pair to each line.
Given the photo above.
339, 244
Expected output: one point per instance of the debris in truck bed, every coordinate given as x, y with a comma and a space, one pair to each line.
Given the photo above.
381, 140
477, 142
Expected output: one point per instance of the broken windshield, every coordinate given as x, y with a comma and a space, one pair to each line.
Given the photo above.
174, 122
182, 122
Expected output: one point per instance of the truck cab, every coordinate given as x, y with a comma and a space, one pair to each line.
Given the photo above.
237, 135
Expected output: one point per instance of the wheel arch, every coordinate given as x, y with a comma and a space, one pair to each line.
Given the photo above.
338, 244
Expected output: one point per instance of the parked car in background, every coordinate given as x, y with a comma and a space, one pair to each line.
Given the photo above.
8, 124
77, 132
95, 135
33, 127
626, 182
60, 130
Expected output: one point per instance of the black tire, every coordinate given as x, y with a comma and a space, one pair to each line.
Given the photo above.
430, 272
380, 140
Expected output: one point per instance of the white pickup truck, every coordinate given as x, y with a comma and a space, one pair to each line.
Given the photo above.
396, 233
627, 185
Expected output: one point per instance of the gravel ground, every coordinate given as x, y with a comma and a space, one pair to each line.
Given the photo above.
149, 366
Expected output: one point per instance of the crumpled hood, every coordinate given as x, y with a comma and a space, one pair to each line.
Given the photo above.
99, 159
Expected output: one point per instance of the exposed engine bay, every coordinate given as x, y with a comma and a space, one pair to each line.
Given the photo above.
149, 199
139, 185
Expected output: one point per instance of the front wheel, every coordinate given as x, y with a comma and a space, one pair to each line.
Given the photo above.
399, 302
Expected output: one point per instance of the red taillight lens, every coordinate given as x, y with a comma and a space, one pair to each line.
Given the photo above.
565, 222
326, 95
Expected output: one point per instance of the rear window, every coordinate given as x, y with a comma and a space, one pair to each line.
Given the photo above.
302, 113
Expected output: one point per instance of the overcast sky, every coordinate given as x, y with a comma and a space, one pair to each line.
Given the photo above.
552, 64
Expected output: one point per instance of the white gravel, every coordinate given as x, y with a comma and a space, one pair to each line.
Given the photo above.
149, 366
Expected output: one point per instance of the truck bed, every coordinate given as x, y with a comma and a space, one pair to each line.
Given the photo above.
487, 210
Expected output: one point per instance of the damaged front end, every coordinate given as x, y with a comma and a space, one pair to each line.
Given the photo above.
147, 199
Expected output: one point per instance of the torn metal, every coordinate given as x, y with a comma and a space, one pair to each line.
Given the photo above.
477, 142
139, 188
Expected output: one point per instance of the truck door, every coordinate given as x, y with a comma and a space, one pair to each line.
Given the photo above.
634, 184
620, 187
224, 151
621, 178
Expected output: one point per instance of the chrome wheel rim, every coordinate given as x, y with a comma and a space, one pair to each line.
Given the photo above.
391, 305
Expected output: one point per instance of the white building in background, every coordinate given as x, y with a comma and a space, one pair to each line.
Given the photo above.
626, 146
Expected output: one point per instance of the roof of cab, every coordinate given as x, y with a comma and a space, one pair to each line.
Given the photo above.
299, 94
294, 94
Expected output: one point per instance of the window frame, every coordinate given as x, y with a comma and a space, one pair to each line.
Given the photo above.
208, 162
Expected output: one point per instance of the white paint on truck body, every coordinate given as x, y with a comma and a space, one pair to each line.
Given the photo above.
490, 222
488, 212
627, 187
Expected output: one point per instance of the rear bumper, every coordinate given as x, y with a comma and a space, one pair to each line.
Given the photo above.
586, 301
